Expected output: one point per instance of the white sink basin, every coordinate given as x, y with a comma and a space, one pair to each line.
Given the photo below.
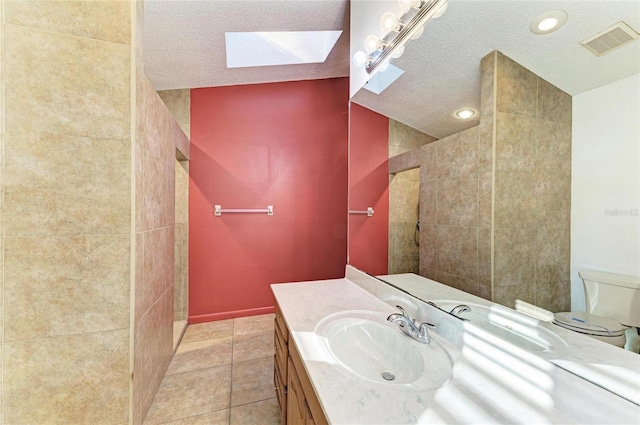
518, 329
363, 345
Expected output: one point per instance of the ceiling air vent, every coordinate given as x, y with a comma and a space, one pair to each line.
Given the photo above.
610, 39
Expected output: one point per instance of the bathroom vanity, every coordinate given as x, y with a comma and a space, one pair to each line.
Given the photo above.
339, 361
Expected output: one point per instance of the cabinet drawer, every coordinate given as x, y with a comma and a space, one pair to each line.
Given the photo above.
281, 354
281, 391
280, 324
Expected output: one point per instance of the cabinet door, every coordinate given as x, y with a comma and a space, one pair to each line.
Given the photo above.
296, 406
308, 419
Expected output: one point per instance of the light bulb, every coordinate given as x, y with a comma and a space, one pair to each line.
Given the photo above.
371, 43
547, 24
418, 34
441, 10
465, 113
388, 22
384, 66
407, 4
398, 52
360, 59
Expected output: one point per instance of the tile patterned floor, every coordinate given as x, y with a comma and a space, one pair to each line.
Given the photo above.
221, 374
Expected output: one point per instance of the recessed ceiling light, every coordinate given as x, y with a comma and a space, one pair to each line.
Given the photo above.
548, 22
466, 113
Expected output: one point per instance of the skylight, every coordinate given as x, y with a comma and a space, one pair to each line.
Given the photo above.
246, 49
383, 79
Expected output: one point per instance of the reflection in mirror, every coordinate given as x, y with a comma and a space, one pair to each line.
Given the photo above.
512, 202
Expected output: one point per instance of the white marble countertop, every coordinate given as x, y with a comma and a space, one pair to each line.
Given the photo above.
491, 383
610, 367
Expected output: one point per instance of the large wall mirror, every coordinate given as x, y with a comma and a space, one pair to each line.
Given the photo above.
513, 201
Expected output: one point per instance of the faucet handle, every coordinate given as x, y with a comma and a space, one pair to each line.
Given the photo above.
404, 313
423, 331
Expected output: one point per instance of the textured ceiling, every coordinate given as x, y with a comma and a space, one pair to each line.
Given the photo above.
184, 42
184, 48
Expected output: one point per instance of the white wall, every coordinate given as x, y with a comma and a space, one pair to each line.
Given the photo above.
605, 222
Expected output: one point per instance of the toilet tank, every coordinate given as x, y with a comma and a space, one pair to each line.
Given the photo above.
612, 295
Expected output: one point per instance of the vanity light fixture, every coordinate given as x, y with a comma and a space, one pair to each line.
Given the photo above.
466, 113
399, 30
548, 22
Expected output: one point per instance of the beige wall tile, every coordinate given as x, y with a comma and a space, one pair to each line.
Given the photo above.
484, 257
158, 268
514, 255
170, 203
402, 135
428, 162
73, 379
514, 148
517, 199
465, 285
458, 201
429, 202
552, 253
553, 103
553, 296
101, 20
458, 154
155, 192
160, 126
66, 285
516, 88
507, 295
457, 251
429, 273
487, 87
182, 191
84, 89
404, 253
428, 244
57, 184
485, 193
403, 162
179, 103
552, 140
485, 144
156, 333
149, 395
403, 199
484, 291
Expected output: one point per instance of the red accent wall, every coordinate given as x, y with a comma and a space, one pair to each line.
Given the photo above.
368, 187
280, 144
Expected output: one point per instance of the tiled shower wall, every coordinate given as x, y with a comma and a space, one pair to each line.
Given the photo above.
404, 189
495, 199
453, 213
158, 141
178, 102
66, 217
83, 236
532, 189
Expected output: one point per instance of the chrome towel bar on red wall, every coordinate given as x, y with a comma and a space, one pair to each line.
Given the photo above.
217, 210
368, 212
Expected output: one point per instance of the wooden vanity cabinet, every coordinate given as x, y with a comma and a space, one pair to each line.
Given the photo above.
298, 402
280, 367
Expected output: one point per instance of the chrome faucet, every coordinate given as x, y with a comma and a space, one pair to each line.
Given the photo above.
409, 326
459, 309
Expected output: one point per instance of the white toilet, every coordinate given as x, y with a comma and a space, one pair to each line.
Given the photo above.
613, 305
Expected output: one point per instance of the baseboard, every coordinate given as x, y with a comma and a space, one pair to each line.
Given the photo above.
202, 318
